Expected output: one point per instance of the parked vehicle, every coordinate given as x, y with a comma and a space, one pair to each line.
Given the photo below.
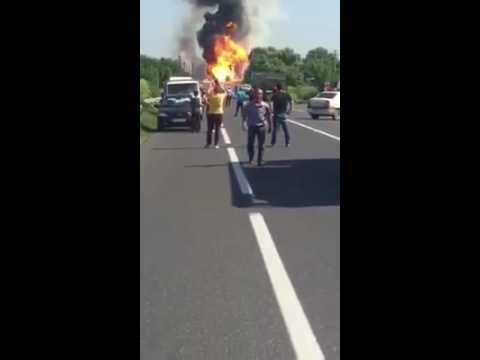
175, 107
327, 103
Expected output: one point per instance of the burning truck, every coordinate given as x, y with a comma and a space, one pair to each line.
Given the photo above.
223, 38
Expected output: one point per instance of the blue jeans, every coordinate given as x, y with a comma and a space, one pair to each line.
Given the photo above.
280, 120
259, 133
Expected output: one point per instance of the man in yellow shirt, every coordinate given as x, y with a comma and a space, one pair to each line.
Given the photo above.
216, 101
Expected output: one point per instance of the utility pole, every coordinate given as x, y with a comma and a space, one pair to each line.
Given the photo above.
335, 63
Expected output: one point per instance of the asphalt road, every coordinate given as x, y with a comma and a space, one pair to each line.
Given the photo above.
212, 285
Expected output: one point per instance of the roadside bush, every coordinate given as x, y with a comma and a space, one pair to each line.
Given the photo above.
292, 90
306, 92
155, 91
145, 91
148, 107
301, 94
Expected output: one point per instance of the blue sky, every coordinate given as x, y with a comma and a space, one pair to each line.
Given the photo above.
307, 24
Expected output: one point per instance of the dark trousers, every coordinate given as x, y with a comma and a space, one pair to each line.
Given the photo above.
213, 121
259, 132
239, 106
277, 122
196, 121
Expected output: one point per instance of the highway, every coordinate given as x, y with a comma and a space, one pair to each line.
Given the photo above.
239, 261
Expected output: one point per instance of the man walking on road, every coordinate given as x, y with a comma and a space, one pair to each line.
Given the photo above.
282, 106
257, 115
215, 112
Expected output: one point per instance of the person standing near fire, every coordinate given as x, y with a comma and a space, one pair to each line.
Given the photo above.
257, 115
229, 97
196, 104
242, 97
215, 111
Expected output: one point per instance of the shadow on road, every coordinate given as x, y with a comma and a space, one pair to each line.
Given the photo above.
175, 129
165, 130
207, 166
199, 148
291, 183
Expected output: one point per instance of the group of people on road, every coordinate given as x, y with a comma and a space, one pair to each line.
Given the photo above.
259, 115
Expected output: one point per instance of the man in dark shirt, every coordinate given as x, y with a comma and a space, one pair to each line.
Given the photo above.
282, 106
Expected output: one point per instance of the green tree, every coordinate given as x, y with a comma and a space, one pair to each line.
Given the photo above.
284, 61
289, 57
295, 76
321, 66
157, 71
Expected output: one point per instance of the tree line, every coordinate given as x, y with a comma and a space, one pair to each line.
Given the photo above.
154, 73
318, 66
304, 76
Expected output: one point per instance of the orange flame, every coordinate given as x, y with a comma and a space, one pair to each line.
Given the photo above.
231, 58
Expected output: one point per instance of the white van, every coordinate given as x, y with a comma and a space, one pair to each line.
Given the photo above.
175, 107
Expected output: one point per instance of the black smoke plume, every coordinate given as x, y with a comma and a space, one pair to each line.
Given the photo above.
216, 24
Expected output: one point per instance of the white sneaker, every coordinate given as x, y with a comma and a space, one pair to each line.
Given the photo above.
217, 147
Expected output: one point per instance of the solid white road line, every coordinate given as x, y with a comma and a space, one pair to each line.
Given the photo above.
315, 130
226, 138
245, 187
301, 335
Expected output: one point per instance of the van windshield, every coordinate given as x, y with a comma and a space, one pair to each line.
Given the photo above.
181, 89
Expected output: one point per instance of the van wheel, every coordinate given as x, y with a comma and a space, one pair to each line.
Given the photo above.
315, 117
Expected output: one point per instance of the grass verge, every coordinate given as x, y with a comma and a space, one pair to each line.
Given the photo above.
148, 122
